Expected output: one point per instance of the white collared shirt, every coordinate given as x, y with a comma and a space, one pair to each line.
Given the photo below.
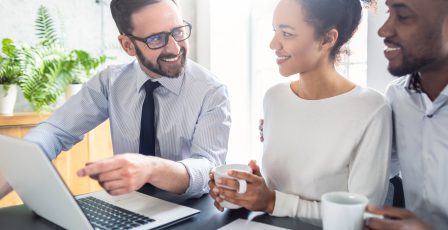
192, 118
421, 142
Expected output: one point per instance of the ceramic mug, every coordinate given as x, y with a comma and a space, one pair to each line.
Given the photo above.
222, 172
344, 210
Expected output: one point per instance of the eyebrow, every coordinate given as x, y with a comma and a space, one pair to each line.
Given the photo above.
164, 32
396, 5
284, 26
399, 6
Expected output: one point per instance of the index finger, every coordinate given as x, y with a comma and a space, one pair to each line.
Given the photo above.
374, 223
249, 177
399, 213
98, 167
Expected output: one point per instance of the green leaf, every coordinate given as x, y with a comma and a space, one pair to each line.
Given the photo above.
44, 25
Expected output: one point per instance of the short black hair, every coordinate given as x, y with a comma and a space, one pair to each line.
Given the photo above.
342, 15
122, 11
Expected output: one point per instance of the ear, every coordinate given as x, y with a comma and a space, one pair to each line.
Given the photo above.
127, 44
330, 39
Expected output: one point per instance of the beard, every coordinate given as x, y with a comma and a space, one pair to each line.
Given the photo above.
160, 67
409, 65
421, 57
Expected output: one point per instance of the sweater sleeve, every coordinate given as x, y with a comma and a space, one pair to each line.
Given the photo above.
369, 166
368, 171
289, 205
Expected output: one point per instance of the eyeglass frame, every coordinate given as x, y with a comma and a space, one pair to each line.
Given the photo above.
168, 34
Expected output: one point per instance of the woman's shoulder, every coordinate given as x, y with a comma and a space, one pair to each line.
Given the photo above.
278, 89
369, 99
370, 95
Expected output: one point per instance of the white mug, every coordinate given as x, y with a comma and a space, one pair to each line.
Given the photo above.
344, 210
222, 172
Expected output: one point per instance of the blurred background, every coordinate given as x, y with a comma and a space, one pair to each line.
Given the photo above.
231, 38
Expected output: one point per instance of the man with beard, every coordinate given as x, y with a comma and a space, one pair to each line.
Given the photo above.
416, 38
169, 110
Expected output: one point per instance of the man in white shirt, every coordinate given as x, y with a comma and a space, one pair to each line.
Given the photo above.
416, 38
185, 131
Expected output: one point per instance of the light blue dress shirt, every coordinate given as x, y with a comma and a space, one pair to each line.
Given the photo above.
421, 142
192, 114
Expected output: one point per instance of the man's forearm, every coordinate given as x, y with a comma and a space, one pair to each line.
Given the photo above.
5, 189
170, 176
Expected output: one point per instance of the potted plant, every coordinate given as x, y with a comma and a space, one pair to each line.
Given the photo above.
83, 66
10, 72
45, 65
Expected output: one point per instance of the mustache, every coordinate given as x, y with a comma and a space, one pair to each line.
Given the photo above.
168, 55
389, 41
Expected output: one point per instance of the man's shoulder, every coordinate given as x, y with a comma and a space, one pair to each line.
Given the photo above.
201, 75
399, 83
396, 87
114, 71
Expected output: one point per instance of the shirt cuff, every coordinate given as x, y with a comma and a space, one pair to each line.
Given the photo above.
285, 204
198, 170
43, 137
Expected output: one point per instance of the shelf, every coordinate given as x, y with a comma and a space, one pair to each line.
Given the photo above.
23, 119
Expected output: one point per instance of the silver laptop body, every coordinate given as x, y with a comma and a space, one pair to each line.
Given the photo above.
28, 170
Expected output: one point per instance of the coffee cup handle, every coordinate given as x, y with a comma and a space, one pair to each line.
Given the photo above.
368, 215
243, 186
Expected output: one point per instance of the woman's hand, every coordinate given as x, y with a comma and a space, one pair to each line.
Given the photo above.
258, 197
213, 194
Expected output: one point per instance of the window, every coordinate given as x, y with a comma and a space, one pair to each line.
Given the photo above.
236, 48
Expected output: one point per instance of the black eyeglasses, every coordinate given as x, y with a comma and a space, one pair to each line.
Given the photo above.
159, 40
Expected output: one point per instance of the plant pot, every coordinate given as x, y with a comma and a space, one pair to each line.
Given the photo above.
8, 99
71, 90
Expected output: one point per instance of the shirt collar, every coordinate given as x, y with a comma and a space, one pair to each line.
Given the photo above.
414, 83
445, 91
172, 84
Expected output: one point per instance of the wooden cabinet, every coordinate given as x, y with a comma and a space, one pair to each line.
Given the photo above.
96, 145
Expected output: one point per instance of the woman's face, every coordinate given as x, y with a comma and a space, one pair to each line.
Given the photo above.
294, 42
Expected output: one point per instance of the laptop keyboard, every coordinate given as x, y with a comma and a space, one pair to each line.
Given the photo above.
103, 215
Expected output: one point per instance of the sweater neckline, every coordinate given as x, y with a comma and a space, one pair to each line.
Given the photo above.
328, 99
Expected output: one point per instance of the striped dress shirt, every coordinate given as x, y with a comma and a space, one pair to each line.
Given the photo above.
192, 116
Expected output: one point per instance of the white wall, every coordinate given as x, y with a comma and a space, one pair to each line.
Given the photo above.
377, 75
81, 24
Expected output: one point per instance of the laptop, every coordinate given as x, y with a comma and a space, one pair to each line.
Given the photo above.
32, 175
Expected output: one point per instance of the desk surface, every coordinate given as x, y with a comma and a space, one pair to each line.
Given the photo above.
20, 217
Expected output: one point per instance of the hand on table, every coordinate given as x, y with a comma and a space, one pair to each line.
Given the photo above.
120, 174
400, 219
258, 197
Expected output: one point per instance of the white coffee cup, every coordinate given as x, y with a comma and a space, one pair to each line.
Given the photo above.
344, 210
222, 172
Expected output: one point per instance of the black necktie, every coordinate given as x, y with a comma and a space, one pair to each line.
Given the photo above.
147, 128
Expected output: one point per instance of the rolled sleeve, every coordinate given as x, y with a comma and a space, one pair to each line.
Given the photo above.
198, 170
210, 140
68, 124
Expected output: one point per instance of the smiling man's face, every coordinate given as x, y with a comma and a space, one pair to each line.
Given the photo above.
169, 60
415, 34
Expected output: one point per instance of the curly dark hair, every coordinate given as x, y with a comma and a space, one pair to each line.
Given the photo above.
342, 15
122, 11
